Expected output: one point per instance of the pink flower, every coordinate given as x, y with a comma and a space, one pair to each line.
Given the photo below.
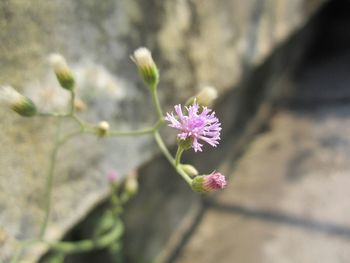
209, 183
198, 125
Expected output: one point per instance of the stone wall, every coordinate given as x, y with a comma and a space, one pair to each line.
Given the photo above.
195, 43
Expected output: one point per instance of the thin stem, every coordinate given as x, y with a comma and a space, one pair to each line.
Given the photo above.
68, 137
78, 246
156, 102
52, 114
164, 149
178, 155
81, 123
145, 131
131, 133
169, 157
72, 101
52, 163
184, 175
88, 244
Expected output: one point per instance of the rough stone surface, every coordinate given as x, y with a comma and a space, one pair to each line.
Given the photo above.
204, 43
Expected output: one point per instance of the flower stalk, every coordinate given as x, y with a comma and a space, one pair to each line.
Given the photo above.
199, 125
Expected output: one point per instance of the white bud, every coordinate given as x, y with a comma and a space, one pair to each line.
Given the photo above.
79, 105
189, 169
58, 62
9, 96
207, 96
102, 128
147, 68
63, 72
131, 183
17, 102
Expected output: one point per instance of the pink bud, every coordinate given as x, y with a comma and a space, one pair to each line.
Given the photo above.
112, 176
209, 183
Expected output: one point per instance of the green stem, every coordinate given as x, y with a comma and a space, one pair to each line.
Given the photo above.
52, 114
171, 160
145, 131
164, 149
156, 102
49, 182
81, 123
78, 246
131, 133
68, 137
178, 155
52, 163
87, 245
72, 100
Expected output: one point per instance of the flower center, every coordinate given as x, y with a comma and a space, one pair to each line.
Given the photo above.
196, 123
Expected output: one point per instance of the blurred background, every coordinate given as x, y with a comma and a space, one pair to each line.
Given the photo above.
281, 69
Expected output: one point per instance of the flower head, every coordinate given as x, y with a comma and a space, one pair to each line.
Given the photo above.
198, 125
145, 63
209, 183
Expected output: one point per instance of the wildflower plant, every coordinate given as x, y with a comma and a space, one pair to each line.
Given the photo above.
195, 122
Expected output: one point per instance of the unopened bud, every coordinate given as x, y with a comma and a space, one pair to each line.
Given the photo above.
209, 183
102, 129
189, 169
131, 184
63, 73
205, 97
146, 66
17, 102
79, 105
112, 176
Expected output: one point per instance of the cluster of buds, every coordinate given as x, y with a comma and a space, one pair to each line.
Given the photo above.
17, 102
25, 106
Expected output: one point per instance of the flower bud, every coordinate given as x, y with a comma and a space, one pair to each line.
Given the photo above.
112, 176
79, 105
63, 72
189, 169
205, 97
131, 184
102, 129
209, 183
146, 66
17, 102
